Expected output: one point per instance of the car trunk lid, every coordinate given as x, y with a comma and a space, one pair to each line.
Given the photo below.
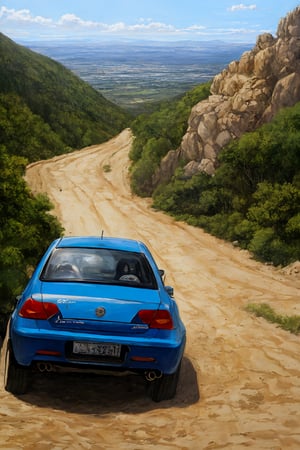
99, 308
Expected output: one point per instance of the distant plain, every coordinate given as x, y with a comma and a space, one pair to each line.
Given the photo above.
135, 74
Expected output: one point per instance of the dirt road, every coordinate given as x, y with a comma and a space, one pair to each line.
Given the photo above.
240, 383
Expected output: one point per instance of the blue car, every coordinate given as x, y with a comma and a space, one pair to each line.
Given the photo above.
96, 303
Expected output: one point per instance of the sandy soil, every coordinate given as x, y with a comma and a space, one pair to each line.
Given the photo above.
240, 383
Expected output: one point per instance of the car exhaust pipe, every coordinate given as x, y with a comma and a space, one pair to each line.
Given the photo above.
152, 375
45, 367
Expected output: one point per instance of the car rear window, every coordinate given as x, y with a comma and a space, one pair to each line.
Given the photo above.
99, 266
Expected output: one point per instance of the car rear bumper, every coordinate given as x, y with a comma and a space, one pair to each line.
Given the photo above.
138, 353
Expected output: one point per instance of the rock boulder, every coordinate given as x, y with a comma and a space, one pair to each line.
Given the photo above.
246, 94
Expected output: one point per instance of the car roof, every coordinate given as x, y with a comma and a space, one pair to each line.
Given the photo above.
102, 242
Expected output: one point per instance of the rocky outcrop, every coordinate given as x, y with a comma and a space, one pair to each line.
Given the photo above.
245, 95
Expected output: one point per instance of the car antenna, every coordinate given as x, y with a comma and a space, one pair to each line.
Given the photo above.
102, 232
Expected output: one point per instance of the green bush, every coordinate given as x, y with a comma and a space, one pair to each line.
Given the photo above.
254, 195
268, 247
26, 228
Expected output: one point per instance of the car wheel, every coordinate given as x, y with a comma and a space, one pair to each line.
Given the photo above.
164, 388
16, 377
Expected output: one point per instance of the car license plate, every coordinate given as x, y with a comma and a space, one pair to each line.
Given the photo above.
94, 348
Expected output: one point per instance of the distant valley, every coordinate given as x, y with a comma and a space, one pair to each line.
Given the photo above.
136, 74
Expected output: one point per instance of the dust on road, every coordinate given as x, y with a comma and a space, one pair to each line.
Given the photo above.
240, 383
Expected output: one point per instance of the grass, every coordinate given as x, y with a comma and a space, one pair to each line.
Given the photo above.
107, 168
288, 323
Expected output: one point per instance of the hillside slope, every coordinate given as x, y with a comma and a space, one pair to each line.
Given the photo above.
75, 111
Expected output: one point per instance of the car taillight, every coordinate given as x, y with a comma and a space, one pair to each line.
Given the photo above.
32, 309
156, 318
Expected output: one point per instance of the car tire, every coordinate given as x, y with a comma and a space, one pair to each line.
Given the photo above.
165, 387
16, 377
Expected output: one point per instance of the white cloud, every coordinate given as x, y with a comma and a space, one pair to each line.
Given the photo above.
22, 22
118, 27
195, 28
143, 25
152, 27
241, 6
22, 15
71, 20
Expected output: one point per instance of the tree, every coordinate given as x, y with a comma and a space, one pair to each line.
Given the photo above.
26, 134
26, 228
274, 205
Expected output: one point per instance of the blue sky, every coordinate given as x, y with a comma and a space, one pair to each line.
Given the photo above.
159, 20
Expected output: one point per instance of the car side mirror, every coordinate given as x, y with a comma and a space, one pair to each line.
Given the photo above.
170, 290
